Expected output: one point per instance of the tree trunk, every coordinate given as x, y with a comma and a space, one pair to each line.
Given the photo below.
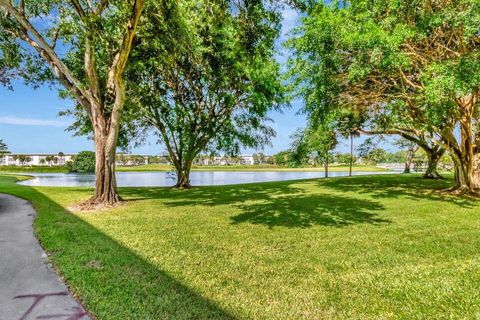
351, 155
466, 168
464, 154
409, 159
326, 168
183, 180
461, 176
105, 140
105, 180
183, 175
467, 171
432, 166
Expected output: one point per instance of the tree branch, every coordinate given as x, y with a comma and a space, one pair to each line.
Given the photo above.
39, 43
102, 6
78, 8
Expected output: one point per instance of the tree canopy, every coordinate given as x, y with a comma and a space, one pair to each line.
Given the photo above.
411, 67
206, 82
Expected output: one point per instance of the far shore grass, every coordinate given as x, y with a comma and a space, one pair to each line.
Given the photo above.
365, 247
36, 169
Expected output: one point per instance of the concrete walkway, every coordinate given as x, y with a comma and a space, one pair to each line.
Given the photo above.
29, 287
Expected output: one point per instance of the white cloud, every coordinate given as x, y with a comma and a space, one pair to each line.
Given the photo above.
289, 21
18, 121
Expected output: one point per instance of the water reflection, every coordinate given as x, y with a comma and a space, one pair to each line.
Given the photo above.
162, 179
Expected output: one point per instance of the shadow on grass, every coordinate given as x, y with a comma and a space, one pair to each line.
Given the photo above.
307, 211
411, 187
113, 281
270, 204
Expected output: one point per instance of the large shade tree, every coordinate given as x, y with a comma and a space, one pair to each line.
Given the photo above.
84, 47
421, 57
206, 82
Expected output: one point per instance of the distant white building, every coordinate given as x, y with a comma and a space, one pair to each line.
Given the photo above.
225, 161
247, 159
51, 159
35, 159
123, 159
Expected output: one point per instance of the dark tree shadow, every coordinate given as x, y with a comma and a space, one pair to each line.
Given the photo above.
270, 204
307, 211
411, 187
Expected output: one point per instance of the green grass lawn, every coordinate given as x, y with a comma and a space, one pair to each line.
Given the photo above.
336, 168
377, 247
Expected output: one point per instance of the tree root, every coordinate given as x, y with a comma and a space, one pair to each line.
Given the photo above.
432, 176
183, 186
461, 191
97, 204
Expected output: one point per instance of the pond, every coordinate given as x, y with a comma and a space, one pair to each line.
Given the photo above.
163, 179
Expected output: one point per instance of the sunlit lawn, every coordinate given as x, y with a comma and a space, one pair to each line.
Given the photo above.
358, 248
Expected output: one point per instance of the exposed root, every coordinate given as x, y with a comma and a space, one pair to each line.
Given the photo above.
96, 204
432, 176
461, 191
183, 186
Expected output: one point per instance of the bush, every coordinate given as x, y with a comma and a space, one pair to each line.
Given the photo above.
84, 162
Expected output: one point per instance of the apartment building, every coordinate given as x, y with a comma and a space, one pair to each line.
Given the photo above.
35, 159
224, 161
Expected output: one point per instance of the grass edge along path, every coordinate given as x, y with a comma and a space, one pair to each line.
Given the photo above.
364, 247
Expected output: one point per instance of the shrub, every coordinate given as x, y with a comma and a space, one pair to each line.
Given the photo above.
84, 162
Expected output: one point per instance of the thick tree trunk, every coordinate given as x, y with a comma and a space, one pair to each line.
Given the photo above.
105, 180
461, 177
463, 152
432, 167
183, 175
105, 151
467, 170
467, 176
183, 180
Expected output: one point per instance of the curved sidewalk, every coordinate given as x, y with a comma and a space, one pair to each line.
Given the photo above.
29, 287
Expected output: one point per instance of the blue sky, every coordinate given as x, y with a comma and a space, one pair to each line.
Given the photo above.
29, 121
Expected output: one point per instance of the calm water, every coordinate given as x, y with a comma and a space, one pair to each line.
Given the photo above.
162, 179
